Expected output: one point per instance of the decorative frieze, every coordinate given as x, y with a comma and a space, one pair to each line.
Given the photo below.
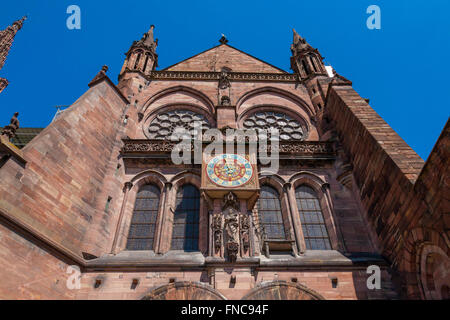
231, 76
292, 147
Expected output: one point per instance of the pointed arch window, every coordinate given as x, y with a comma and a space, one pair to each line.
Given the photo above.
186, 219
143, 222
269, 209
313, 224
136, 64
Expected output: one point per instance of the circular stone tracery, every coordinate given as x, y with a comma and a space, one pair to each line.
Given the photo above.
177, 124
289, 128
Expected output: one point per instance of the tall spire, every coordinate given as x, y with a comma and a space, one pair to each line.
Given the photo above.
7, 38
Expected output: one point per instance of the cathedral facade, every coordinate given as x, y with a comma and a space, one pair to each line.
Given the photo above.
96, 207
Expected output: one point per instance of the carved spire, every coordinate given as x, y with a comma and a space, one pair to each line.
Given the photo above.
299, 44
148, 39
7, 38
305, 60
142, 55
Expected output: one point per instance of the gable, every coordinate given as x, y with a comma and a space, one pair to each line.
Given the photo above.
214, 59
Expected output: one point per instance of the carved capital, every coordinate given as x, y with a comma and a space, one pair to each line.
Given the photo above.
127, 186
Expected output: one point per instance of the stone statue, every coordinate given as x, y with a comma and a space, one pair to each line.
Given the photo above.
245, 229
217, 231
232, 225
225, 101
10, 130
232, 228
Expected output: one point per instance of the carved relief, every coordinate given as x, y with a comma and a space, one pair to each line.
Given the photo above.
224, 89
225, 101
304, 147
224, 83
232, 76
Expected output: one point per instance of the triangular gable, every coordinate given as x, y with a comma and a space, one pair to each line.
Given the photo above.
224, 55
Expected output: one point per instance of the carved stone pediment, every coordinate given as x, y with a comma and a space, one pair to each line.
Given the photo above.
230, 200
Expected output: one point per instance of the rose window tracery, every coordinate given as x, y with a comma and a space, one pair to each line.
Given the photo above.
288, 128
177, 124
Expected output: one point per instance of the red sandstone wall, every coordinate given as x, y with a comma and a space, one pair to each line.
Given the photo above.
28, 271
385, 169
351, 284
59, 193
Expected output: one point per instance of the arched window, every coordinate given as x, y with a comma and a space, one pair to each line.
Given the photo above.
269, 209
143, 222
186, 219
311, 217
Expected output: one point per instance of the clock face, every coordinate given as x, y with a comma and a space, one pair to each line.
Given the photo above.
229, 170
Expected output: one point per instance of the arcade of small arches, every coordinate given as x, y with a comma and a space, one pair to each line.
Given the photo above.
191, 290
161, 215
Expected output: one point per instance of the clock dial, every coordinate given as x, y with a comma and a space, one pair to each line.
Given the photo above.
229, 170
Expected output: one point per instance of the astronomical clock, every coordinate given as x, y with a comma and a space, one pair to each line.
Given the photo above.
227, 172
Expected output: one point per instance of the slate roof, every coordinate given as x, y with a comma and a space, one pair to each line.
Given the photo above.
24, 135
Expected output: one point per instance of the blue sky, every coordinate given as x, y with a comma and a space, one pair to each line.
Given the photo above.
402, 68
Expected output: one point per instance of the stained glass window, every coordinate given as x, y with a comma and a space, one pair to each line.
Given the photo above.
143, 222
186, 219
269, 209
313, 224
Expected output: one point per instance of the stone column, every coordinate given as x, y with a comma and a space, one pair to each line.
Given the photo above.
126, 188
162, 217
295, 217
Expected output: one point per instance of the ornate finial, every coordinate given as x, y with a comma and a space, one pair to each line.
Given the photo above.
147, 38
296, 36
19, 23
298, 43
99, 76
10, 130
223, 40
